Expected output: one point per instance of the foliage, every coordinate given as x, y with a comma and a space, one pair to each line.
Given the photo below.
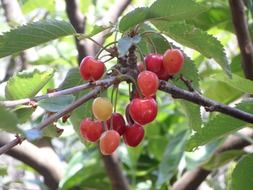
183, 135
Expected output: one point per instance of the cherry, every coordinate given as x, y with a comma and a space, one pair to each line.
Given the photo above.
91, 130
102, 108
91, 69
118, 123
154, 62
128, 116
143, 111
148, 83
140, 67
163, 75
133, 135
173, 61
109, 142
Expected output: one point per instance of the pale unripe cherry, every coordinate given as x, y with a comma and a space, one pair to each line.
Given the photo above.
102, 108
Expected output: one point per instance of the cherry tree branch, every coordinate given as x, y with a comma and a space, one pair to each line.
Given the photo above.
115, 173
38, 159
13, 103
56, 116
78, 20
111, 17
193, 178
243, 36
209, 105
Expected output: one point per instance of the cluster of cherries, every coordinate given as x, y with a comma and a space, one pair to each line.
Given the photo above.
107, 127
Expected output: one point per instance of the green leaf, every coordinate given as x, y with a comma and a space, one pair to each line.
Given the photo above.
23, 113
171, 10
217, 16
27, 84
84, 170
222, 158
202, 154
171, 158
197, 39
8, 121
125, 43
133, 18
152, 42
73, 78
56, 104
33, 34
97, 29
3, 170
52, 131
33, 134
192, 111
30, 5
236, 82
242, 177
218, 126
156, 146
220, 91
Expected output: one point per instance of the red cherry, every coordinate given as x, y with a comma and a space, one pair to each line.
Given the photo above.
148, 83
109, 142
173, 61
91, 130
133, 135
163, 75
118, 123
91, 69
143, 111
140, 67
128, 116
154, 62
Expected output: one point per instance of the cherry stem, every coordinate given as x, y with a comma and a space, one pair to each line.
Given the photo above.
108, 59
105, 48
26, 101
142, 57
157, 33
106, 55
135, 84
152, 44
82, 36
151, 32
112, 94
114, 69
116, 97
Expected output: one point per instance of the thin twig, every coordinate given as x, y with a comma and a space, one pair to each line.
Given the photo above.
211, 105
68, 109
13, 103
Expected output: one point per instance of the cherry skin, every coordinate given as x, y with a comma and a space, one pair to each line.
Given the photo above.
91, 130
154, 62
148, 83
163, 75
118, 123
128, 116
143, 111
109, 142
102, 108
133, 135
91, 69
173, 61
140, 67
